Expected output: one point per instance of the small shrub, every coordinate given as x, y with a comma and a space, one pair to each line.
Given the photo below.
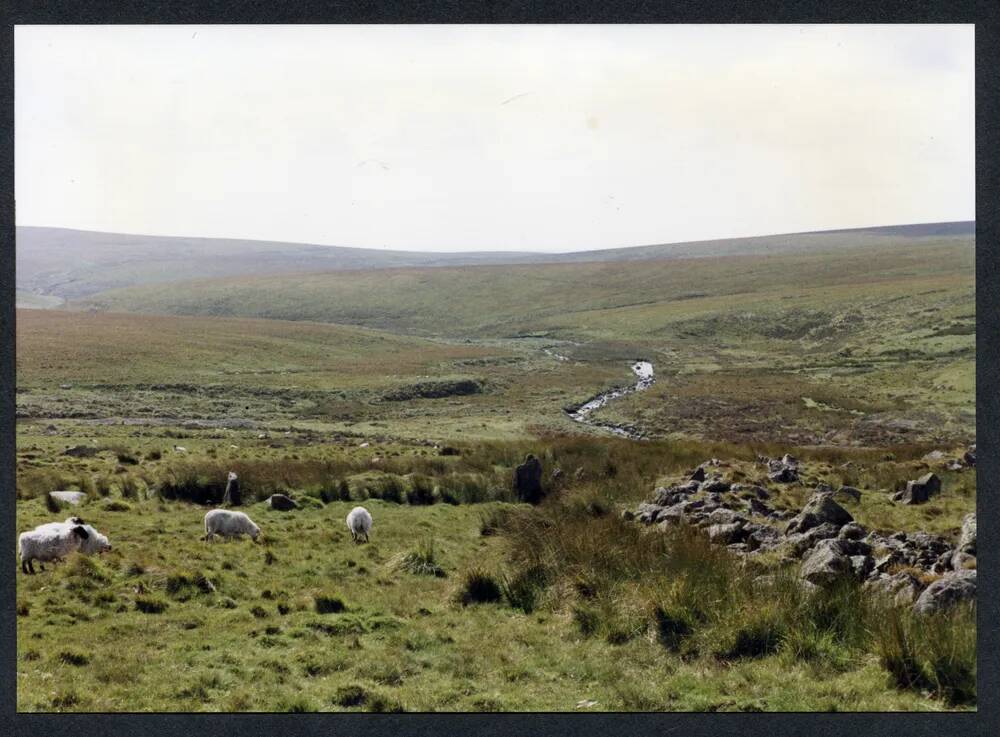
421, 491
587, 619
478, 587
154, 455
23, 608
329, 604
259, 612
116, 505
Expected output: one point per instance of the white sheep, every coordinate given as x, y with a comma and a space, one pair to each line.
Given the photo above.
359, 522
55, 540
228, 523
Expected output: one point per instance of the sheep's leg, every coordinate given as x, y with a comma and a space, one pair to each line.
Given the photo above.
24, 567
41, 567
31, 566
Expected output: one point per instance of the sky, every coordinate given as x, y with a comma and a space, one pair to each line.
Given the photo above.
463, 138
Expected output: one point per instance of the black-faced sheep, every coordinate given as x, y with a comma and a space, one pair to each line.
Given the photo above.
55, 540
359, 522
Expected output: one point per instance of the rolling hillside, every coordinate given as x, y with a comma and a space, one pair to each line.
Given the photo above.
70, 264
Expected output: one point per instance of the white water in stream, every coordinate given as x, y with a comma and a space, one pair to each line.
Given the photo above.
644, 373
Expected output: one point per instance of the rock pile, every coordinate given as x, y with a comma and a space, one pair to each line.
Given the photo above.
823, 535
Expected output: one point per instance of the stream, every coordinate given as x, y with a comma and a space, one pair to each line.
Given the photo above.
643, 371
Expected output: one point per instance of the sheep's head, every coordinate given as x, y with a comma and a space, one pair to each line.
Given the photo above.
93, 541
232, 476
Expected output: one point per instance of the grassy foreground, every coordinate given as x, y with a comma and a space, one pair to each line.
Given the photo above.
566, 604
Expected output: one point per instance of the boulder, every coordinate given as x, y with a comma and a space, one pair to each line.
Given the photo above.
714, 486
820, 509
71, 498
950, 589
282, 503
528, 480
966, 548
755, 506
862, 565
902, 588
648, 513
698, 475
727, 533
852, 531
762, 537
784, 475
919, 491
800, 543
847, 492
826, 563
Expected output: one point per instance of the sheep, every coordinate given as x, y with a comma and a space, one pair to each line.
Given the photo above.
55, 540
228, 523
359, 522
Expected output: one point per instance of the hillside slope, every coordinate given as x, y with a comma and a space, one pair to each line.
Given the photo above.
73, 263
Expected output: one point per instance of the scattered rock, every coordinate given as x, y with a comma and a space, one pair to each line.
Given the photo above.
847, 492
966, 548
727, 533
902, 588
528, 480
698, 475
919, 491
820, 509
825, 564
72, 498
947, 591
852, 531
714, 486
282, 503
784, 475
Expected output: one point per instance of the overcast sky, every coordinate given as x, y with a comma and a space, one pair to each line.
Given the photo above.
492, 137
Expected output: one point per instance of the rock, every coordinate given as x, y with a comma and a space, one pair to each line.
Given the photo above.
902, 588
966, 548
758, 507
698, 475
820, 509
282, 503
919, 491
847, 492
723, 516
714, 486
81, 451
862, 565
789, 461
648, 513
528, 480
761, 537
784, 475
72, 498
451, 451
628, 515
727, 533
667, 497
801, 542
935, 456
825, 564
852, 531
950, 589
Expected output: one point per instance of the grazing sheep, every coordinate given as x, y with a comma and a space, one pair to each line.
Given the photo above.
95, 542
49, 542
227, 523
359, 522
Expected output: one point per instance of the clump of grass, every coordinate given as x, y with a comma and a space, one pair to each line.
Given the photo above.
329, 604
350, 695
150, 604
935, 653
74, 657
673, 626
524, 589
493, 521
478, 587
759, 633
116, 505
421, 561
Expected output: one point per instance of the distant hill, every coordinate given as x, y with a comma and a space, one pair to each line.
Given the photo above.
71, 264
